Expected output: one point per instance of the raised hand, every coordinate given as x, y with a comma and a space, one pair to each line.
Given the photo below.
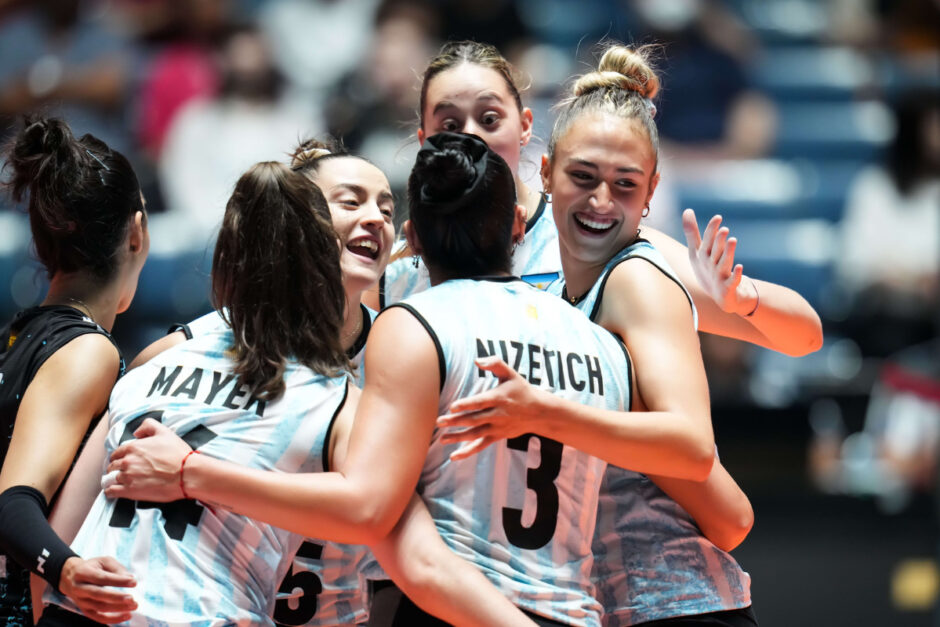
712, 259
91, 584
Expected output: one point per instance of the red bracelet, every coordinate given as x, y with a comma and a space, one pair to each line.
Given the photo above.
182, 467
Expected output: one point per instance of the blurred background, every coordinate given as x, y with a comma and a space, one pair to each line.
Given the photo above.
812, 126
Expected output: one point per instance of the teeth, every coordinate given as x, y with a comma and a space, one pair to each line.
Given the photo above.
601, 226
365, 243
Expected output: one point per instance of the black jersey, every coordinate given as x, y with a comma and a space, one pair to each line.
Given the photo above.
25, 345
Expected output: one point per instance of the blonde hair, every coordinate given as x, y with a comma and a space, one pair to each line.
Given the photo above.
623, 85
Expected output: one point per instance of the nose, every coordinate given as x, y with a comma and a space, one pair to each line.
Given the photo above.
470, 127
601, 198
371, 216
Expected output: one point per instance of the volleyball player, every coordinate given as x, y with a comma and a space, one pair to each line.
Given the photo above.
58, 361
470, 87
652, 563
419, 358
322, 586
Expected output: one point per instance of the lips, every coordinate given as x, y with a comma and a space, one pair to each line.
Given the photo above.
594, 225
364, 247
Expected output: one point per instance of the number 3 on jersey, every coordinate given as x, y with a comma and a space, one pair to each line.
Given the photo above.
176, 515
540, 480
309, 584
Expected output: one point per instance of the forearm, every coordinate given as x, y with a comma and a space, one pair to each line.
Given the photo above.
785, 318
27, 537
437, 580
325, 505
662, 442
718, 505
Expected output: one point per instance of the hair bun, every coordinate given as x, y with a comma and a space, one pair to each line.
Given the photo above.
451, 166
621, 68
309, 151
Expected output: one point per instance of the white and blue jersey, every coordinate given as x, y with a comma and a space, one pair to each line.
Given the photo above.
322, 586
651, 561
197, 564
536, 260
522, 510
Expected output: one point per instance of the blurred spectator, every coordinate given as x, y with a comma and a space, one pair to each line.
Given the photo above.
181, 68
889, 262
316, 42
708, 108
210, 143
374, 108
63, 56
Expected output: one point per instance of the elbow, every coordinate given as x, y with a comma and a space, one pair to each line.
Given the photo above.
701, 464
367, 522
811, 343
737, 531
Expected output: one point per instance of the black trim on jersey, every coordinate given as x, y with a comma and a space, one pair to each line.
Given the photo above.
494, 278
600, 293
180, 326
629, 360
535, 216
437, 343
382, 304
360, 342
329, 429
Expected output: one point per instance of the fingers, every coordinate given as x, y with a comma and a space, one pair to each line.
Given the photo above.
690, 228
726, 260
718, 248
148, 427
464, 419
464, 435
471, 404
736, 275
711, 230
112, 573
472, 448
496, 366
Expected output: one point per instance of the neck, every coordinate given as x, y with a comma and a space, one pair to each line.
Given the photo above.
352, 321
77, 290
527, 198
580, 276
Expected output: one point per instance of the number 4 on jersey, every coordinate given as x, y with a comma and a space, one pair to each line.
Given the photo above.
177, 515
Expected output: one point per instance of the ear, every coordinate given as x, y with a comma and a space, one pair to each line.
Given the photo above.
526, 117
519, 224
546, 172
421, 136
654, 181
411, 237
138, 233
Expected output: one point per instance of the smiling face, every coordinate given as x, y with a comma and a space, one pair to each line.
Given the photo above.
601, 177
470, 98
362, 206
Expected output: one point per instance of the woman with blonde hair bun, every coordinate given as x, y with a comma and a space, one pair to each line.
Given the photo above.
656, 561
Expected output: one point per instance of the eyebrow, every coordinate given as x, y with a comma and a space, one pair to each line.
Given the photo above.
586, 163
361, 191
484, 97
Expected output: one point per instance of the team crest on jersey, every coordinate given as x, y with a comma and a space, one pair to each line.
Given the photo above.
540, 280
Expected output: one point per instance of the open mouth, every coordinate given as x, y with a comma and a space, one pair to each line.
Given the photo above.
364, 247
594, 226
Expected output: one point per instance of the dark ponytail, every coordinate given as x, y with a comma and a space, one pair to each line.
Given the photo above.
82, 196
276, 278
462, 198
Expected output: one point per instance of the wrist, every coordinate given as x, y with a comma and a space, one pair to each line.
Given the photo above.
748, 298
187, 485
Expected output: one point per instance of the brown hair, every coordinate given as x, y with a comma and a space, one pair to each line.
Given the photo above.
623, 85
276, 278
82, 196
454, 53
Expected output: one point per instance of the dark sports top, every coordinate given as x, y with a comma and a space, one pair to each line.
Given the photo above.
25, 345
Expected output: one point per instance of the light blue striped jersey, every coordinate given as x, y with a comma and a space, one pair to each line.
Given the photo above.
197, 564
536, 260
322, 588
651, 561
522, 510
